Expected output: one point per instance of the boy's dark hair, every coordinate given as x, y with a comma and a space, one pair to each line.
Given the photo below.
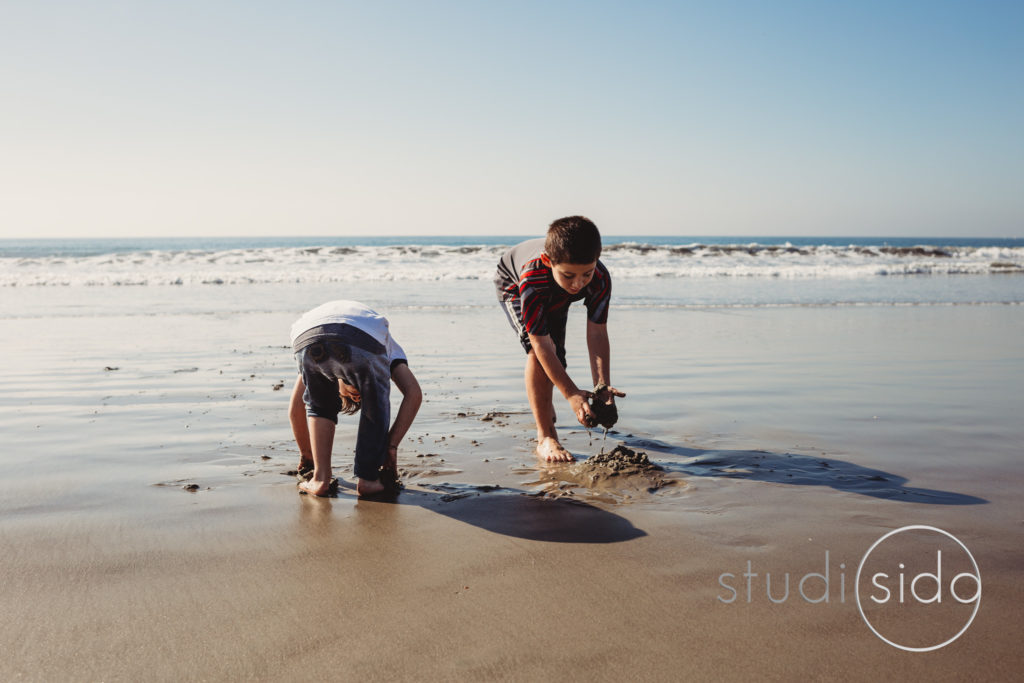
322, 350
573, 239
350, 406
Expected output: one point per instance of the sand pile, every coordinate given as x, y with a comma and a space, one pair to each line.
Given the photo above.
621, 471
620, 460
623, 475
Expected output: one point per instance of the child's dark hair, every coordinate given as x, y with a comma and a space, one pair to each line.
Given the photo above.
340, 351
573, 239
350, 406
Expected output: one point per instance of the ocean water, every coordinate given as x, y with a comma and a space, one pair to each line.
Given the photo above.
265, 274
137, 366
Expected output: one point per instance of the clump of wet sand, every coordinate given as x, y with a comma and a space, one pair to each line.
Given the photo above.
602, 413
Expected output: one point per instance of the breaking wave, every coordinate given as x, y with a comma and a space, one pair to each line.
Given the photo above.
268, 265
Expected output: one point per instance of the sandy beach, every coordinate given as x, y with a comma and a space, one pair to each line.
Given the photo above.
151, 530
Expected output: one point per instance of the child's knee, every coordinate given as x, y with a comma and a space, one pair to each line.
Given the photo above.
319, 411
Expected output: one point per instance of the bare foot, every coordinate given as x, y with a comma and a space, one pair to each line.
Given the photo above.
550, 450
365, 487
316, 488
305, 466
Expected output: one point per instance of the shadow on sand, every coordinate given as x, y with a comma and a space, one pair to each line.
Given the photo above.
519, 514
796, 470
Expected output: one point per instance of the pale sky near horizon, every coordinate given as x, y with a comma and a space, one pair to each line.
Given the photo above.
343, 118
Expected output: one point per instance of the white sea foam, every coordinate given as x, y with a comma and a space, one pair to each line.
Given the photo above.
445, 262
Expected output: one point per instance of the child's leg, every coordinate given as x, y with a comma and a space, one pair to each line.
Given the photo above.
539, 391
321, 431
300, 429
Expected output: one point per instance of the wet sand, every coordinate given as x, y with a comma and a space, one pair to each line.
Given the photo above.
150, 528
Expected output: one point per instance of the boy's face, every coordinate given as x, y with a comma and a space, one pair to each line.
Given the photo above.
572, 277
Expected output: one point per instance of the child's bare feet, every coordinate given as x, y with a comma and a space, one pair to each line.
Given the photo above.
365, 487
316, 488
305, 466
550, 450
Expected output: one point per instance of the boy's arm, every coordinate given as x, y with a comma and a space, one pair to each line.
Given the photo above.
544, 350
600, 358
412, 396
300, 426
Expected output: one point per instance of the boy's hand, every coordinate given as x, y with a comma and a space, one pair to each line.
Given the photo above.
389, 472
607, 394
603, 407
581, 409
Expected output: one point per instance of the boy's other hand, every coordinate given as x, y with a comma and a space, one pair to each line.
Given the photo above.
607, 394
581, 409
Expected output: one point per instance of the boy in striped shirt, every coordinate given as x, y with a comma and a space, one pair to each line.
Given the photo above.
536, 281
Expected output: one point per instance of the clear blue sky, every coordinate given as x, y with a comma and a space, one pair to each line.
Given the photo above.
352, 118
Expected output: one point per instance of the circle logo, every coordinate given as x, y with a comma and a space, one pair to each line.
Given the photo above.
918, 588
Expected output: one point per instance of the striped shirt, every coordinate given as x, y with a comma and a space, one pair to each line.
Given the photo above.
524, 279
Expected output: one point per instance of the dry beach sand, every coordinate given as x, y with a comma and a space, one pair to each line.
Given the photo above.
150, 529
